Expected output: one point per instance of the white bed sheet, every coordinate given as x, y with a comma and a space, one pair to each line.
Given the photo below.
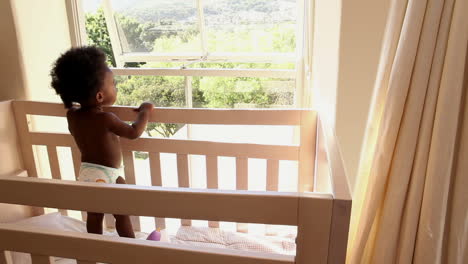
196, 236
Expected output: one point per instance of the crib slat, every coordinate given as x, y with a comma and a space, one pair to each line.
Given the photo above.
40, 259
155, 168
182, 170
272, 175
53, 162
212, 172
160, 223
184, 181
272, 185
307, 151
55, 168
76, 156
242, 184
109, 220
129, 169
241, 174
156, 180
5, 257
212, 179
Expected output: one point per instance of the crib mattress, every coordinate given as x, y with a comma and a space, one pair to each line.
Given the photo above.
186, 235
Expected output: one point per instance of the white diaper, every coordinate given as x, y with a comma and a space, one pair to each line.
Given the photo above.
90, 172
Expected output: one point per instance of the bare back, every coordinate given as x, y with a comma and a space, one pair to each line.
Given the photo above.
97, 143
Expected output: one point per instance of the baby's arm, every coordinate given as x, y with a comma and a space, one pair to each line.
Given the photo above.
134, 130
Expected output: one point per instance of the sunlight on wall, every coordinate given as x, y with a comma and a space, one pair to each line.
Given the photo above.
42, 36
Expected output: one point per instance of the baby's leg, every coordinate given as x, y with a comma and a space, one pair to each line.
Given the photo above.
122, 222
94, 223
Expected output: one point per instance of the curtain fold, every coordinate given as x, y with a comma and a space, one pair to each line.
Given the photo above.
457, 228
403, 195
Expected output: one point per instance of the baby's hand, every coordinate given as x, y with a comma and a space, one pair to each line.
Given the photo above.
146, 106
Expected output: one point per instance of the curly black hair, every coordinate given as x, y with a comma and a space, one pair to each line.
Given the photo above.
78, 74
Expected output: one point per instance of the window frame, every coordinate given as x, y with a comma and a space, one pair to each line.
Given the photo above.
78, 36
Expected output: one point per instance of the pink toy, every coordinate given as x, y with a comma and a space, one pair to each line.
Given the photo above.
155, 236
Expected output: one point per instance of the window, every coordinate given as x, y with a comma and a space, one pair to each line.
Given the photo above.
224, 53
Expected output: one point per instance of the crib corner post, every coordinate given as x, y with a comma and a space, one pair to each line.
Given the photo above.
307, 149
314, 224
27, 154
5, 257
22, 128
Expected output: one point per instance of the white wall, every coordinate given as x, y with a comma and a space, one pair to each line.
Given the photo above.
325, 60
11, 74
362, 29
43, 34
34, 33
42, 30
347, 42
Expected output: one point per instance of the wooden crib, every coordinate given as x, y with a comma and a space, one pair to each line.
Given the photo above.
320, 209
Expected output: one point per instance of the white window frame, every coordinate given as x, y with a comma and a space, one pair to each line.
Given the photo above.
79, 37
76, 22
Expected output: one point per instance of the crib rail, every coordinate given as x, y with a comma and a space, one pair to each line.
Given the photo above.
303, 153
311, 212
179, 146
203, 204
89, 248
290, 117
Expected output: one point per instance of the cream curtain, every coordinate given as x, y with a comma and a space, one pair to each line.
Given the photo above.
411, 198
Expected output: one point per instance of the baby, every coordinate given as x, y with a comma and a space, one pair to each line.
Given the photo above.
81, 76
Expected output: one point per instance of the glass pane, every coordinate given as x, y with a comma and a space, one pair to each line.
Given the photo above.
157, 26
96, 28
162, 91
242, 92
251, 25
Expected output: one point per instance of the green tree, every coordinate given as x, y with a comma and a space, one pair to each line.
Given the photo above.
139, 37
98, 35
162, 91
